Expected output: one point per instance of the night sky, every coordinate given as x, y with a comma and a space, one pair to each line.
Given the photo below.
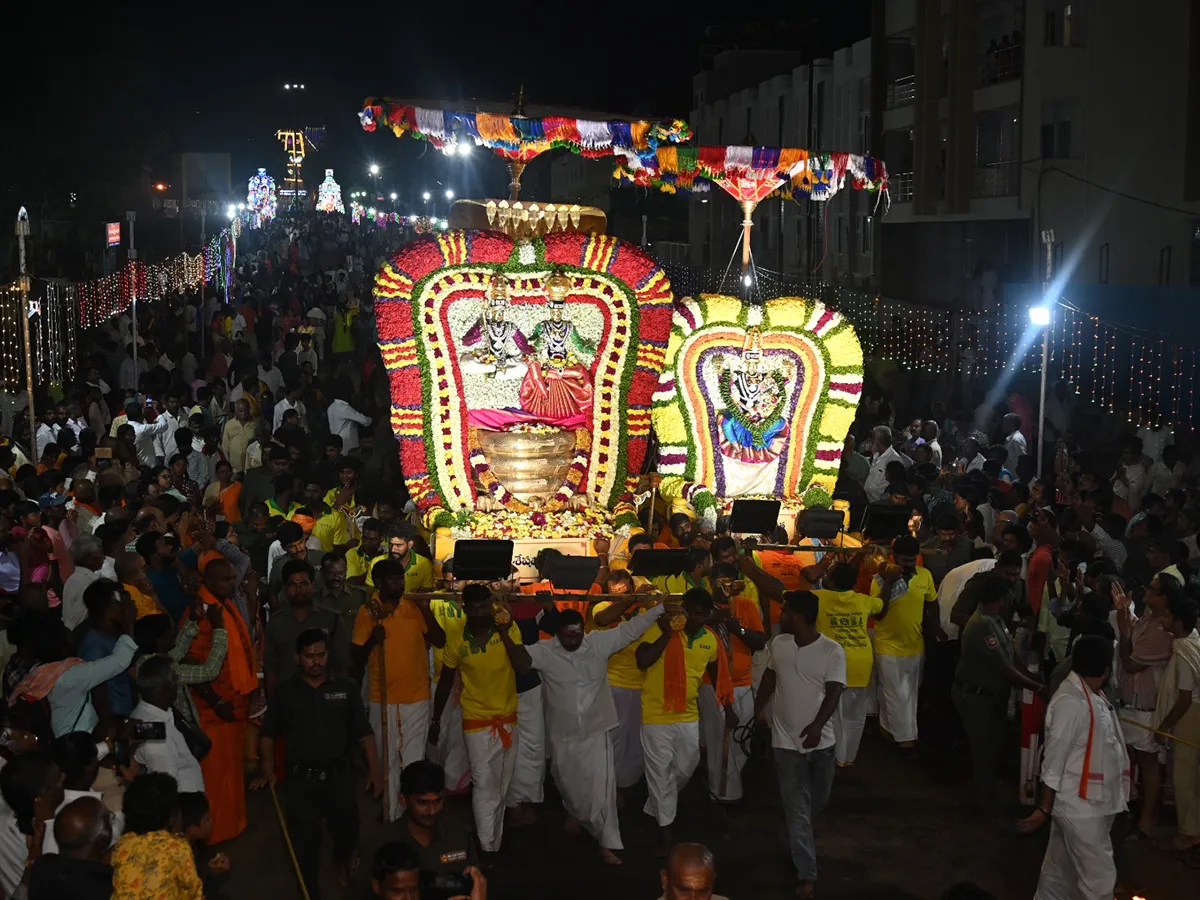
99, 99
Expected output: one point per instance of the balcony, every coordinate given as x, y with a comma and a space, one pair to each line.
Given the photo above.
901, 186
902, 91
1000, 179
1003, 64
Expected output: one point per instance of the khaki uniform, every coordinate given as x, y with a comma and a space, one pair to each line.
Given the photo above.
980, 695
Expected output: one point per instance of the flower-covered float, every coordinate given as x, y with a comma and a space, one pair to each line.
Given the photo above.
522, 371
755, 401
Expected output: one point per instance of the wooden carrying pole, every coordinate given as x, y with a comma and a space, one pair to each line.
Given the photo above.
384, 727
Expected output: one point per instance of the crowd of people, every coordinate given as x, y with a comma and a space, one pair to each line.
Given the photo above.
207, 568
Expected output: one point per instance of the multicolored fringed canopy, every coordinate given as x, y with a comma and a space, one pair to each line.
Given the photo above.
521, 138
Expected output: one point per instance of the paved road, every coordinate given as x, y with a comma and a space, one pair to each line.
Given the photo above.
894, 830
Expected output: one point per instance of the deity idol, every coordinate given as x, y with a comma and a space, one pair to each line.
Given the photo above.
558, 385
497, 346
751, 425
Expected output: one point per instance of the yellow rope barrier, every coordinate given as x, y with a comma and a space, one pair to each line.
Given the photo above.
287, 839
1165, 734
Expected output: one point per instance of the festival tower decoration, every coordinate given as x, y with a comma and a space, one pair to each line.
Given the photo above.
755, 400
261, 202
329, 195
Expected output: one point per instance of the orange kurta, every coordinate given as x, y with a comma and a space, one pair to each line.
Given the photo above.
223, 766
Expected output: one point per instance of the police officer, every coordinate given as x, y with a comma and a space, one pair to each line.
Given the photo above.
987, 669
319, 717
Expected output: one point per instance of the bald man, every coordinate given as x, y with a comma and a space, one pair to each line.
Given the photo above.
689, 874
83, 829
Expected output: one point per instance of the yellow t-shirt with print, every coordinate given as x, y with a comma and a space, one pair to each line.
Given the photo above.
452, 619
358, 563
330, 530
842, 616
488, 679
418, 574
623, 671
899, 632
698, 651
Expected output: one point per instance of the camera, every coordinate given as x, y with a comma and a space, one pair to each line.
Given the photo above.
443, 885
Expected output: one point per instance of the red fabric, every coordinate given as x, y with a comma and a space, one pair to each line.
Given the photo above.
500, 419
1037, 576
224, 776
550, 392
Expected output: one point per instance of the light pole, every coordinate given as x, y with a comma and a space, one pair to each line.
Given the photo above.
374, 170
1041, 316
23, 284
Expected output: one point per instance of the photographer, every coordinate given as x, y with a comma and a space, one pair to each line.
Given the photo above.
396, 875
157, 686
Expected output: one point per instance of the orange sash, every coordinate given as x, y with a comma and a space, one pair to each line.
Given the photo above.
496, 725
240, 655
675, 681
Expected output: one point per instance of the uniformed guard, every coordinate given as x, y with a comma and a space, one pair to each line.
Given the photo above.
319, 717
987, 669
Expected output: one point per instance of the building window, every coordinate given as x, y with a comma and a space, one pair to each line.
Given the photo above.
1062, 132
1066, 23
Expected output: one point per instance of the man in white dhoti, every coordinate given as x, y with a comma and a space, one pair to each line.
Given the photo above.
1085, 781
580, 708
483, 656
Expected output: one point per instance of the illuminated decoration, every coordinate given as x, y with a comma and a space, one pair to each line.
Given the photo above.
12, 357
420, 224
517, 139
261, 203
438, 299
329, 195
754, 400
297, 145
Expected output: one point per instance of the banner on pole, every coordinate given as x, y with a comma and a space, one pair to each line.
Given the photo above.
112, 232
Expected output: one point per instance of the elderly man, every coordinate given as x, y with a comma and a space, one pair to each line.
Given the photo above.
689, 874
83, 830
581, 712
88, 555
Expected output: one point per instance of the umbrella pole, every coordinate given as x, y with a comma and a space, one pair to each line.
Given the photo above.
515, 168
747, 224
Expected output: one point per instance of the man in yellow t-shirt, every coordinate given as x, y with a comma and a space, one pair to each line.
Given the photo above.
361, 560
842, 615
489, 708
418, 570
899, 638
625, 679
671, 724
400, 629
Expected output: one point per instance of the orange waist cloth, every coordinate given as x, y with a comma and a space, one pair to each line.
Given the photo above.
223, 768
495, 724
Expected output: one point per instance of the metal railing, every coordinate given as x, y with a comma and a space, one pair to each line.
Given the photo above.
901, 185
999, 65
1000, 179
902, 91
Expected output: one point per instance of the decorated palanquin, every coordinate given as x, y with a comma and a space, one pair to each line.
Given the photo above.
755, 400
522, 374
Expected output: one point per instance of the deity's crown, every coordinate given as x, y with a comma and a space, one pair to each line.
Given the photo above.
752, 346
557, 286
497, 289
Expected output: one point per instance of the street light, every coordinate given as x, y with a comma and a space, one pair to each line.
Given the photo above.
449, 194
392, 195
1039, 317
374, 170
425, 196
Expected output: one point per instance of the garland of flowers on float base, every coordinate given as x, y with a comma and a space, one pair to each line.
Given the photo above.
506, 498
421, 382
832, 415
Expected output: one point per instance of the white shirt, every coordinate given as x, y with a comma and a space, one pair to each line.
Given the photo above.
283, 406
575, 689
50, 845
801, 674
1068, 723
936, 449
876, 484
1133, 487
127, 377
1016, 447
145, 438
342, 417
952, 587
1163, 479
45, 435
73, 610
109, 569
171, 756
13, 853
165, 444
1153, 441
272, 379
